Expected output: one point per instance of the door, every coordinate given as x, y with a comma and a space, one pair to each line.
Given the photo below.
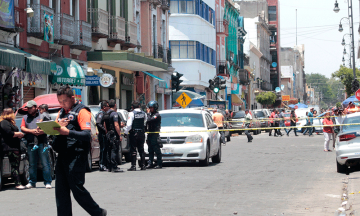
214, 134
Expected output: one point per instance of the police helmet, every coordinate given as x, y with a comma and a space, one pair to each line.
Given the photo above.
153, 104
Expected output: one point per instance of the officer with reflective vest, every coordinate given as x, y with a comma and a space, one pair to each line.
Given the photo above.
153, 125
113, 137
135, 126
102, 132
73, 146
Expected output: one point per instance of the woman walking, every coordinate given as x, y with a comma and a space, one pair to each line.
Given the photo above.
292, 122
328, 131
11, 135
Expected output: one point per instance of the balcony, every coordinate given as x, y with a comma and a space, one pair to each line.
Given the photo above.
165, 5
117, 30
222, 28
159, 51
221, 68
99, 22
35, 25
19, 13
266, 86
131, 35
82, 36
156, 2
64, 29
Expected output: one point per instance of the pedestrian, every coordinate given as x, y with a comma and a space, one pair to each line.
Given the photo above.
11, 145
104, 107
248, 119
328, 131
37, 145
277, 124
44, 112
135, 127
272, 123
113, 137
282, 120
219, 119
310, 120
307, 124
293, 119
153, 125
72, 146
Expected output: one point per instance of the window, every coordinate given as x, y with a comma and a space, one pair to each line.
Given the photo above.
182, 6
183, 49
272, 13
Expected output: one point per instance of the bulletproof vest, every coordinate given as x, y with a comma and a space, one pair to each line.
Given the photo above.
154, 126
98, 114
60, 140
108, 121
139, 120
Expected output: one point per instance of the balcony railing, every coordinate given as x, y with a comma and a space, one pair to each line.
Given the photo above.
155, 2
64, 29
117, 29
165, 5
82, 36
266, 86
99, 22
131, 33
160, 52
35, 25
221, 68
222, 28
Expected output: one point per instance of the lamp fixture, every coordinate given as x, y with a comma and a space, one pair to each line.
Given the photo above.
29, 11
343, 42
100, 72
340, 28
336, 8
344, 51
343, 59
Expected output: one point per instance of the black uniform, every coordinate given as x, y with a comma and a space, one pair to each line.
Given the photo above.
71, 165
137, 138
153, 125
101, 137
112, 139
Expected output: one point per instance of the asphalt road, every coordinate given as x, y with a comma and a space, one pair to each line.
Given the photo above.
285, 175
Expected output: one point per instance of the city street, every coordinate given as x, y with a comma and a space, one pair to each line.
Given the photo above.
270, 176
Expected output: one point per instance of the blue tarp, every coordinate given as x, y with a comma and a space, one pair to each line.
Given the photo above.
346, 102
300, 105
162, 83
196, 103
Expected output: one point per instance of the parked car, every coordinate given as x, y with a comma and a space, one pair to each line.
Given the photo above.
238, 122
5, 168
348, 143
261, 115
190, 146
125, 143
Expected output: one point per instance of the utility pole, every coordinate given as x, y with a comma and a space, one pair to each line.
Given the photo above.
296, 26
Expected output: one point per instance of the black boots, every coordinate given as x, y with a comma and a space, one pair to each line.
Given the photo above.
132, 168
133, 163
150, 166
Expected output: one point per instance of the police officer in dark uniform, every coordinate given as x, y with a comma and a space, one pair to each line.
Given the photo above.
112, 137
101, 136
136, 129
72, 146
153, 125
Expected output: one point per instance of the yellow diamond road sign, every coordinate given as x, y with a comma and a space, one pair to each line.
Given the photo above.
184, 100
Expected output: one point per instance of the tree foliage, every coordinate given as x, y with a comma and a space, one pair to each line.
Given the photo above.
346, 76
338, 105
266, 98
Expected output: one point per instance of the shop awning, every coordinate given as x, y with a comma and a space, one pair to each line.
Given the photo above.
126, 60
37, 65
236, 100
162, 83
12, 57
68, 72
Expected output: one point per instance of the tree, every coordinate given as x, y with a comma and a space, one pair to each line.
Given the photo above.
322, 85
346, 77
266, 98
338, 105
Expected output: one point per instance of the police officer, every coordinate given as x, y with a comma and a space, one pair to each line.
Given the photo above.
153, 125
113, 137
72, 146
101, 136
136, 128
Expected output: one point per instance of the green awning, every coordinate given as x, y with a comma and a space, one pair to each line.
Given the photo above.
37, 65
68, 72
12, 57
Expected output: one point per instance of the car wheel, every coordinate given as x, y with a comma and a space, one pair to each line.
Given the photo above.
341, 168
52, 164
26, 173
217, 157
120, 156
206, 161
254, 132
89, 162
127, 157
240, 132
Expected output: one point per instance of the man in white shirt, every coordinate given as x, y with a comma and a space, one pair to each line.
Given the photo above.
248, 119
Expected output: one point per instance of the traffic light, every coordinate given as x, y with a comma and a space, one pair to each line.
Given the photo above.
211, 84
222, 84
217, 84
175, 81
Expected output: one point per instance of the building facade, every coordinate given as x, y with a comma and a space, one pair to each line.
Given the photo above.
274, 27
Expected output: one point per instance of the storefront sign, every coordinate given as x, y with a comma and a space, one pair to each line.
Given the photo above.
168, 91
106, 80
48, 28
7, 19
286, 98
92, 80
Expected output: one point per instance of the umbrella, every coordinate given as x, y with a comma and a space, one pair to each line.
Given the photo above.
300, 105
196, 103
346, 102
49, 99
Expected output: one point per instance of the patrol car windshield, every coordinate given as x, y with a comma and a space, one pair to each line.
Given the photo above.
240, 114
260, 114
181, 120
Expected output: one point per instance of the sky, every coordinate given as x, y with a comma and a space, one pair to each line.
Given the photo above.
318, 30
